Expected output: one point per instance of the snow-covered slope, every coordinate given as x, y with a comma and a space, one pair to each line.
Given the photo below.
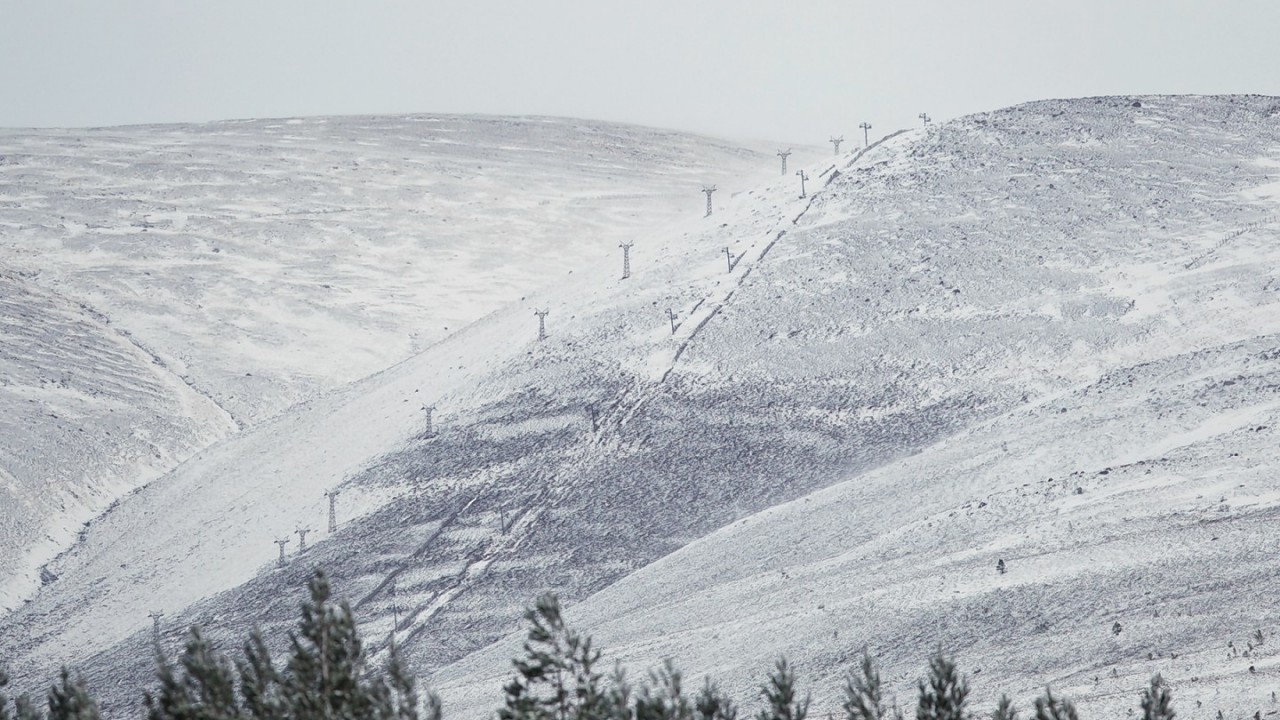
165, 284
1147, 499
268, 259
1061, 287
86, 415
1114, 261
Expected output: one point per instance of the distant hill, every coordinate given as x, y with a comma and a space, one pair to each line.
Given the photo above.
169, 284
967, 343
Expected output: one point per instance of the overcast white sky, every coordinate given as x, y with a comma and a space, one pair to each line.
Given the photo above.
795, 70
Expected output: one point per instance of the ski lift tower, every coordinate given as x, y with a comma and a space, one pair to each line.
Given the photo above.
155, 616
626, 258
708, 189
333, 516
430, 430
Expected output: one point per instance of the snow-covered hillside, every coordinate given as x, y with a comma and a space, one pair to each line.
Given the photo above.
1110, 267
86, 415
268, 259
1146, 499
166, 284
1000, 309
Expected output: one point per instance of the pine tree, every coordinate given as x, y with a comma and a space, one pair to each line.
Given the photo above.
556, 679
944, 695
713, 704
5, 713
862, 692
1156, 701
402, 695
662, 698
1004, 710
69, 699
780, 695
205, 691
326, 676
326, 662
1050, 708
24, 709
260, 692
617, 704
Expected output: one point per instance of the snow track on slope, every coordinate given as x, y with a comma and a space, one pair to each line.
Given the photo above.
607, 424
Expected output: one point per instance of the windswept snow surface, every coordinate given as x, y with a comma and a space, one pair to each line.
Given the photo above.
1047, 334
165, 285
268, 259
1120, 282
86, 415
1147, 498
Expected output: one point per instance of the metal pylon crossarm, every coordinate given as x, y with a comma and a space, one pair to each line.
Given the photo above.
281, 542
333, 516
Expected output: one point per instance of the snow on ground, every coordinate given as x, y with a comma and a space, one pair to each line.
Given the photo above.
1002, 309
1131, 484
230, 502
1145, 498
178, 281
88, 415
266, 260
